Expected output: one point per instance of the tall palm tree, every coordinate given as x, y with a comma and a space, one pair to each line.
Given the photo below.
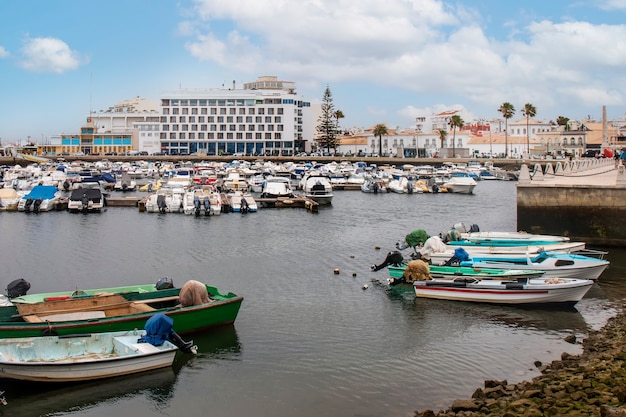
455, 121
443, 134
507, 111
338, 115
529, 111
380, 130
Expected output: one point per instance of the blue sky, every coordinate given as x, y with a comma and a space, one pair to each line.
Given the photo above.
384, 61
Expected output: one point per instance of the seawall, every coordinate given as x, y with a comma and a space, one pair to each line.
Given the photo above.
584, 199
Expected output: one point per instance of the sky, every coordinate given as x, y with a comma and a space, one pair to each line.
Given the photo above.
384, 61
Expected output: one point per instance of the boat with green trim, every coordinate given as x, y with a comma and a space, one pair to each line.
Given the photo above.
116, 309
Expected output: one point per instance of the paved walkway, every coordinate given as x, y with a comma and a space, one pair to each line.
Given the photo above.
588, 172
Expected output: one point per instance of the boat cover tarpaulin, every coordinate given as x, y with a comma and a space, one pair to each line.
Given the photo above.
45, 192
416, 238
158, 329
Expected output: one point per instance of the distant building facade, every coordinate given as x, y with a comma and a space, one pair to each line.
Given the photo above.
266, 117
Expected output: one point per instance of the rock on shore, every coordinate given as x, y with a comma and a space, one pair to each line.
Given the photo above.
590, 384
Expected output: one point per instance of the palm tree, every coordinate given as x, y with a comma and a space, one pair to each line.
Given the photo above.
338, 115
380, 130
455, 121
443, 134
529, 111
507, 111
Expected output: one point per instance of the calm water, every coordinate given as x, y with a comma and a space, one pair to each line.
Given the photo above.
307, 342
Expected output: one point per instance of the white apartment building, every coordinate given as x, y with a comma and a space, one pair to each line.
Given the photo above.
266, 117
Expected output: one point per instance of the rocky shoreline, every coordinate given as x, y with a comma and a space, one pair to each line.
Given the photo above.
590, 384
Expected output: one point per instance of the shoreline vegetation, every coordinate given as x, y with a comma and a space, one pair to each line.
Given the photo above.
590, 384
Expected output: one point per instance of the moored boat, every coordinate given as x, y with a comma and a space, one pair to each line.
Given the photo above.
85, 357
118, 310
40, 198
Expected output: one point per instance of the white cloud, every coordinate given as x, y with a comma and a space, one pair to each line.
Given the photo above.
429, 47
3, 52
48, 55
612, 4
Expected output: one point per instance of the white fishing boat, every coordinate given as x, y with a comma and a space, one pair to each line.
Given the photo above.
125, 183
565, 291
242, 202
86, 199
554, 264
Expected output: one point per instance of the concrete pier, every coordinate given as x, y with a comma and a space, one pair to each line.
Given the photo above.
583, 199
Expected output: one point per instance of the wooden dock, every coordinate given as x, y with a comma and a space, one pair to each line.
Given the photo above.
287, 202
283, 202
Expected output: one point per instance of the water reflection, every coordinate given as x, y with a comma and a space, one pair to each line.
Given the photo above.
33, 399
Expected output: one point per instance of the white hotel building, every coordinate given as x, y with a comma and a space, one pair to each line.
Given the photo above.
266, 117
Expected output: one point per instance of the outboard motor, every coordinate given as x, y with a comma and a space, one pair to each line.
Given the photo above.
244, 205
66, 185
161, 204
376, 187
394, 258
460, 255
124, 186
37, 204
17, 288
85, 202
28, 204
435, 188
164, 283
409, 187
196, 205
207, 206
160, 328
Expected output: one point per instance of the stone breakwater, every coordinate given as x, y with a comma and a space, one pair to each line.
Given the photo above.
590, 384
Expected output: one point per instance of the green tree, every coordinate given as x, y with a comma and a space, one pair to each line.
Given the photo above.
326, 126
528, 111
443, 134
507, 111
380, 130
455, 121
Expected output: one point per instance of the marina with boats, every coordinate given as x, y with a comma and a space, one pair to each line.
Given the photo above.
212, 248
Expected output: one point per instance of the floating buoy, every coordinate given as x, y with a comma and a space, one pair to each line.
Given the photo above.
377, 247
352, 256
365, 286
354, 274
336, 271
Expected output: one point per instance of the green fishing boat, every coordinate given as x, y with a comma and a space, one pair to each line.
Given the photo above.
116, 309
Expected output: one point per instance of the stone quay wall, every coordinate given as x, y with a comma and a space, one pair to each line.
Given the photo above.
584, 201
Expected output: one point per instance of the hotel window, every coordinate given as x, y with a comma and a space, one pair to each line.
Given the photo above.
251, 110
220, 119
229, 119
268, 119
268, 136
261, 128
194, 127
232, 128
201, 136
242, 128
172, 119
204, 110
242, 111
229, 136
258, 119
239, 135
184, 128
220, 136
192, 135
185, 110
261, 110
279, 110
259, 136
249, 119
270, 111
194, 111
222, 128
249, 136
192, 119
239, 119
222, 110
278, 119
251, 128
183, 119
175, 110
201, 119
233, 111
213, 110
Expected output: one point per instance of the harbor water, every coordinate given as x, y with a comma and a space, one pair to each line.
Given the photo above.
308, 341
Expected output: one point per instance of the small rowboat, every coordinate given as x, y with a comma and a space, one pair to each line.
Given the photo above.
81, 357
564, 291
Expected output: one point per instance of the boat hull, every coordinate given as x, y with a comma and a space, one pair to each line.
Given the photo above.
221, 310
81, 358
533, 291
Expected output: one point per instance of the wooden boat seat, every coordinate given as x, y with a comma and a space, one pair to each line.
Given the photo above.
140, 307
80, 315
